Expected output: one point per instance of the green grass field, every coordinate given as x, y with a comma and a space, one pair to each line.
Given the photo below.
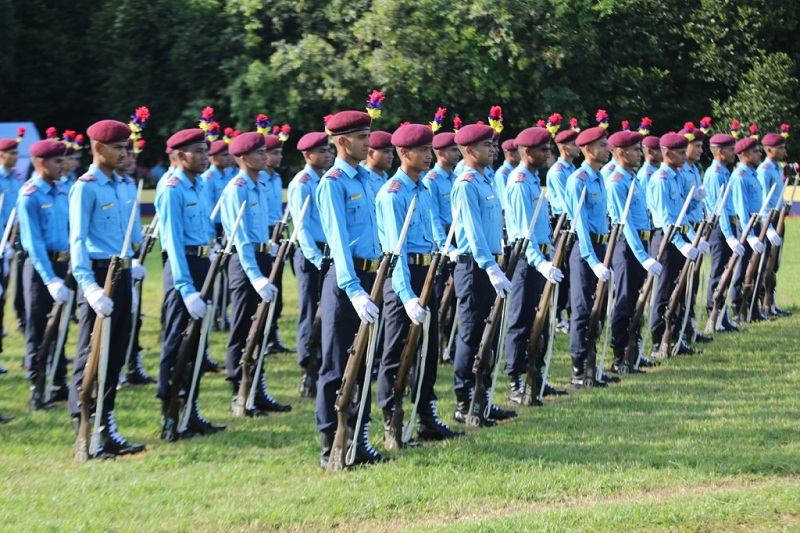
703, 443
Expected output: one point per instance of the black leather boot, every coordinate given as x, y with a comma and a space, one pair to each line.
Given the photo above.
198, 425
516, 387
326, 440
462, 406
136, 374
431, 426
112, 443
265, 401
365, 453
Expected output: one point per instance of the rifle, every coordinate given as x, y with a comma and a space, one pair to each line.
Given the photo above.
87, 444
393, 440
41, 393
750, 285
483, 359
562, 219
359, 349
770, 279
534, 380
259, 330
193, 342
280, 227
637, 319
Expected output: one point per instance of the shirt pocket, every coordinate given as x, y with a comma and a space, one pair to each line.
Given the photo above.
355, 209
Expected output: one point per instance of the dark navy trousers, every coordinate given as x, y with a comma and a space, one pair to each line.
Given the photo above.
523, 302
308, 299
629, 276
583, 284
475, 299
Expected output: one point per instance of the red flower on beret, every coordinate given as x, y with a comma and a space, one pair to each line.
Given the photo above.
626, 126
208, 113
440, 113
457, 122
495, 113
554, 119
51, 133
541, 123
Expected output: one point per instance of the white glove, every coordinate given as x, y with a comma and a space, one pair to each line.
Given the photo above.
702, 246
265, 289
9, 252
273, 249
735, 246
415, 311
138, 272
550, 273
195, 305
58, 290
700, 193
499, 281
453, 255
773, 237
601, 272
102, 304
689, 251
652, 266
755, 244
367, 311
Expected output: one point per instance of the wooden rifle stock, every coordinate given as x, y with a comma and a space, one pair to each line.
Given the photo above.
81, 451
407, 358
772, 261
562, 219
749, 290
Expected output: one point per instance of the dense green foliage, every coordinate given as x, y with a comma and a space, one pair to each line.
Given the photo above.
298, 60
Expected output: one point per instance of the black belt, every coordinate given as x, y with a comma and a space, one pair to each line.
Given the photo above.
197, 251
419, 259
369, 266
467, 258
259, 248
125, 263
598, 239
59, 257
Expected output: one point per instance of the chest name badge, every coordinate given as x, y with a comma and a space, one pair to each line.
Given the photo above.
108, 206
355, 196
45, 206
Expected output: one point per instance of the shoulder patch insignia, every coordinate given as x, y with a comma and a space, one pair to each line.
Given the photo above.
582, 175
741, 172
467, 176
334, 174
505, 171
559, 167
87, 177
520, 177
30, 190
238, 182
766, 166
172, 182
304, 178
395, 186
611, 167
649, 171
432, 175
616, 177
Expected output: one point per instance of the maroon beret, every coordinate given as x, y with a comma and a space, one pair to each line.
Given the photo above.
246, 142
348, 122
217, 147
566, 136
168, 150
590, 135
532, 137
185, 137
378, 140
773, 139
698, 136
473, 133
47, 148
272, 142
624, 139
444, 140
412, 135
673, 141
8, 144
313, 140
722, 139
108, 131
743, 145
509, 145
652, 142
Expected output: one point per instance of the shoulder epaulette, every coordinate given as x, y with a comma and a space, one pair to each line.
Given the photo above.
172, 182
611, 167
334, 174
616, 177
87, 177
30, 190
394, 186
520, 177
239, 182
559, 167
649, 171
467, 176
582, 175
741, 172
432, 175
766, 166
304, 178
505, 171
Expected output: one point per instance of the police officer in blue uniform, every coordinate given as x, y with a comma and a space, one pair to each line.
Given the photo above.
97, 226
523, 192
379, 158
310, 252
747, 196
770, 172
479, 233
665, 198
510, 162
651, 149
346, 202
631, 262
43, 211
591, 229
401, 291
10, 183
557, 176
216, 178
723, 240
186, 232
251, 262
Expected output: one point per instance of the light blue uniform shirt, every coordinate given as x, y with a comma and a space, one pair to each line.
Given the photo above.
691, 178
43, 214
643, 176
608, 168
479, 228
10, 185
440, 185
557, 185
214, 181
304, 185
459, 168
346, 203
128, 191
253, 229
768, 173
592, 219
715, 177
523, 192
746, 194
97, 223
392, 204
618, 185
275, 212
501, 182
376, 180
183, 215
665, 198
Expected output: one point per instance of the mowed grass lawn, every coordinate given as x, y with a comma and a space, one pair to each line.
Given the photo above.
703, 443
